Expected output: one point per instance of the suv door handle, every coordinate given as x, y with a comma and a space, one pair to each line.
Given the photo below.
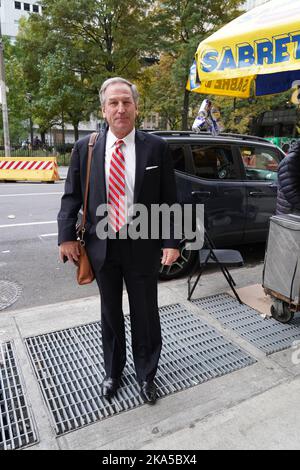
200, 193
257, 194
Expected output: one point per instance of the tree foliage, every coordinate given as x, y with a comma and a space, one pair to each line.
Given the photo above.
182, 24
240, 115
66, 53
60, 59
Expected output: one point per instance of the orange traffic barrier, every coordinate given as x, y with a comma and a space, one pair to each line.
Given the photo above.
29, 169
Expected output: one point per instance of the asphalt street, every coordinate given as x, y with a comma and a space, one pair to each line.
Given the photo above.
28, 245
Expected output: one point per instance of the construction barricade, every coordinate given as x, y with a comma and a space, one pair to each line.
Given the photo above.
29, 169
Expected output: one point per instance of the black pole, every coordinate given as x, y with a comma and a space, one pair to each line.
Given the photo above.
31, 131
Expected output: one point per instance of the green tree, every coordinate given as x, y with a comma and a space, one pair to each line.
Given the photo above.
67, 52
239, 115
181, 25
46, 64
19, 112
160, 94
62, 93
108, 36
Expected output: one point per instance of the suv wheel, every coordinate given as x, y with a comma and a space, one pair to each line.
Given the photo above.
182, 266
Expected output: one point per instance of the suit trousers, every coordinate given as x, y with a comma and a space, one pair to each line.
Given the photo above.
141, 288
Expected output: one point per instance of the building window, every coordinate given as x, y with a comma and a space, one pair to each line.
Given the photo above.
26, 7
35, 8
18, 5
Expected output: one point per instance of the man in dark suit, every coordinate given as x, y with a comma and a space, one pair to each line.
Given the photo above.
128, 167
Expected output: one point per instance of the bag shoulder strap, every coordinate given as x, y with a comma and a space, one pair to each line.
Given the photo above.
92, 141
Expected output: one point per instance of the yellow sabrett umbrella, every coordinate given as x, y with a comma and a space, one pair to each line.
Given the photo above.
260, 46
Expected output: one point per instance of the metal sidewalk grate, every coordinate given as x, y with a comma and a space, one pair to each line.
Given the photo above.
266, 334
69, 366
16, 425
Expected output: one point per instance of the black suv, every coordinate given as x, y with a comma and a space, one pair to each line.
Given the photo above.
235, 177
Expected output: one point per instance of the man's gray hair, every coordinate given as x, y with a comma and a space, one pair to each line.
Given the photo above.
110, 81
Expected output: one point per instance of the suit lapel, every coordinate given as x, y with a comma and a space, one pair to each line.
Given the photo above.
98, 186
141, 155
98, 181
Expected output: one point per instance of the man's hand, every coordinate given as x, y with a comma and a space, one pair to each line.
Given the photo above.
70, 250
170, 255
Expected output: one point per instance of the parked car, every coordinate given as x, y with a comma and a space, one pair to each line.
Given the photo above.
234, 176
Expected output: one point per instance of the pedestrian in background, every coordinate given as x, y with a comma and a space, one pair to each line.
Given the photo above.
131, 163
288, 193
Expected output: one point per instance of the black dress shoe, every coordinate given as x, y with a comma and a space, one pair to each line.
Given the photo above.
148, 392
109, 387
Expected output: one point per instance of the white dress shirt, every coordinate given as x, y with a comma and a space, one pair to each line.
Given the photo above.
128, 150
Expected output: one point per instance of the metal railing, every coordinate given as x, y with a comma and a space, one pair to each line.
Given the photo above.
62, 155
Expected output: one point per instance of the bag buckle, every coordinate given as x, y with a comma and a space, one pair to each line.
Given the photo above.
80, 235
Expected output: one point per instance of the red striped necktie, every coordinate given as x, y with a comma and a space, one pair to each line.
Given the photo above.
116, 189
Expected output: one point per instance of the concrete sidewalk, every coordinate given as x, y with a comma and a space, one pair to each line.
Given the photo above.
252, 408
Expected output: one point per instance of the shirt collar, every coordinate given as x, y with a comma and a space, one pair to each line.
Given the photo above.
128, 139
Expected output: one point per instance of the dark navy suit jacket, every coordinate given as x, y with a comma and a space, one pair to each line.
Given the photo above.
155, 186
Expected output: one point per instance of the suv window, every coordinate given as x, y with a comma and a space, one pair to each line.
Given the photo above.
213, 162
260, 163
177, 153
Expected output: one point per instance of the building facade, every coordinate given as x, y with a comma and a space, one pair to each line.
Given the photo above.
11, 11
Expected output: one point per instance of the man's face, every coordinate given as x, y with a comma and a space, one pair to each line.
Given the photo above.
119, 109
